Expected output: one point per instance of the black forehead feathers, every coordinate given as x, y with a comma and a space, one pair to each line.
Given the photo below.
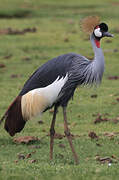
103, 27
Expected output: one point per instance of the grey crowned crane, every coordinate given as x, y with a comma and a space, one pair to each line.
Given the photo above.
54, 83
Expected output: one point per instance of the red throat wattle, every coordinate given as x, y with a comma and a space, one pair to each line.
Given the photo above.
97, 42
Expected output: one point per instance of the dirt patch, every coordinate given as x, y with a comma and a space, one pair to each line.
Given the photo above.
109, 160
10, 31
93, 135
100, 118
8, 56
111, 134
58, 136
115, 3
103, 160
115, 120
61, 136
25, 139
28, 156
22, 156
61, 145
117, 99
26, 59
33, 161
2, 66
16, 75
66, 39
94, 96
40, 122
113, 77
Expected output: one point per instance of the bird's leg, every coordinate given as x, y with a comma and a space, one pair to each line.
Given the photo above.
52, 132
68, 135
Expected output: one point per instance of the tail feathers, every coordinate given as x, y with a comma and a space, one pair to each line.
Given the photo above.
14, 121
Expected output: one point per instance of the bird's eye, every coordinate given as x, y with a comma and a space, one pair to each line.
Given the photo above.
97, 32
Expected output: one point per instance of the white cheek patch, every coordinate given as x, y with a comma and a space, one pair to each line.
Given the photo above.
97, 32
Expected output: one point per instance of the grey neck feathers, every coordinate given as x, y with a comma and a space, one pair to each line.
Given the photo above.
87, 72
98, 61
91, 72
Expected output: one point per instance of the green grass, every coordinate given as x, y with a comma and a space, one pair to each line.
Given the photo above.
56, 22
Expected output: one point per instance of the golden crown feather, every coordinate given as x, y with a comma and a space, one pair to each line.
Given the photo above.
89, 23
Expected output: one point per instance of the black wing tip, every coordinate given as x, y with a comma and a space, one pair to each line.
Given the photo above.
3, 118
14, 121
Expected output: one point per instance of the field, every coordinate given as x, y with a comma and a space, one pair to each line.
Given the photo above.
31, 33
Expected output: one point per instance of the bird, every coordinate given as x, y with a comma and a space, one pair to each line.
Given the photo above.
53, 84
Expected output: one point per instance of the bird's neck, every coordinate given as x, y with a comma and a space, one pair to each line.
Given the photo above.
95, 44
97, 65
98, 53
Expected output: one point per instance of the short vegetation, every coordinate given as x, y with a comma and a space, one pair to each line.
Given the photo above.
31, 33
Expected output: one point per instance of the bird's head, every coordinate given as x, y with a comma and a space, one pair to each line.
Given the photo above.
101, 31
92, 25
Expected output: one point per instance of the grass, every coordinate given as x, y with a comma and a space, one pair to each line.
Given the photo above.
59, 32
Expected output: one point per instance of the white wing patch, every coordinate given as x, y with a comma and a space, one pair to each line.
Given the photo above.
52, 91
37, 100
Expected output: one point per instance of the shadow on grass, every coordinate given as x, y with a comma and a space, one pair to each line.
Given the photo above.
16, 13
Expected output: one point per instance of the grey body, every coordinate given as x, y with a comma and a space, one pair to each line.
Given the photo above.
80, 70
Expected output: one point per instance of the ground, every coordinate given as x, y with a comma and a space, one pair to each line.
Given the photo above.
31, 33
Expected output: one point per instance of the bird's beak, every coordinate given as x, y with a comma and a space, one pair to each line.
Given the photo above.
107, 34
